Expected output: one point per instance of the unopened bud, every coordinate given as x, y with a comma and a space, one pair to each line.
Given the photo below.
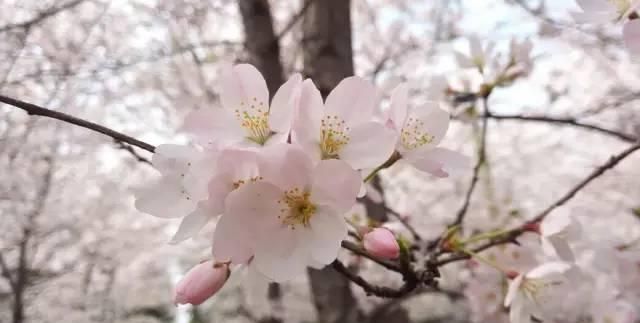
201, 282
382, 243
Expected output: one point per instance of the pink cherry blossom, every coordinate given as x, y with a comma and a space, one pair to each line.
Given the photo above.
420, 130
293, 218
343, 127
201, 282
246, 118
601, 11
528, 293
382, 243
478, 55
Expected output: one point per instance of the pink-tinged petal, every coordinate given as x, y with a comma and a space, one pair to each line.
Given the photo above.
284, 105
370, 145
285, 165
257, 205
200, 172
277, 138
307, 120
193, 223
440, 162
200, 283
173, 159
513, 290
594, 5
518, 312
281, 269
463, 60
631, 36
219, 188
549, 269
232, 240
399, 106
335, 185
238, 164
382, 243
430, 120
327, 232
353, 100
243, 86
165, 199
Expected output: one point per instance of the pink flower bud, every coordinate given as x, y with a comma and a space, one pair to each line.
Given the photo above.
201, 282
382, 243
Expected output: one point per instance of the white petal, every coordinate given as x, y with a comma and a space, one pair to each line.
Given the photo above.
518, 312
198, 123
192, 223
548, 269
281, 269
328, 231
173, 159
440, 162
306, 127
243, 85
399, 105
257, 205
232, 240
514, 289
559, 247
284, 104
370, 145
353, 100
164, 199
238, 164
433, 121
631, 35
335, 184
287, 166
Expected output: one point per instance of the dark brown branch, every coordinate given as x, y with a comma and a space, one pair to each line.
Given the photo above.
565, 121
370, 289
132, 152
363, 253
42, 16
6, 273
513, 234
33, 109
405, 223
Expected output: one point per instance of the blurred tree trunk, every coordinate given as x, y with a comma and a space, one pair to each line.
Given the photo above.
328, 58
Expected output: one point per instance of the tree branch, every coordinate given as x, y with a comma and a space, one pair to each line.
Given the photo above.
33, 109
294, 19
370, 289
42, 16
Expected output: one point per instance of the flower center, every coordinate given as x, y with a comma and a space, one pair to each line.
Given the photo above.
297, 208
334, 135
254, 118
622, 6
413, 135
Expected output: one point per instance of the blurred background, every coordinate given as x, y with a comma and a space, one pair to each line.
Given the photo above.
74, 249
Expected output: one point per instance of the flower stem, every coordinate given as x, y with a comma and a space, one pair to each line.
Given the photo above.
394, 158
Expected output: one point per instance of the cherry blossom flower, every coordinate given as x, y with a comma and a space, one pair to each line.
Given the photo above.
343, 127
201, 282
182, 188
420, 130
478, 55
246, 118
556, 230
601, 11
382, 243
293, 218
529, 293
631, 36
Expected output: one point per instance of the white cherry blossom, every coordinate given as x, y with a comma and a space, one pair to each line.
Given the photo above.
420, 130
556, 231
246, 118
343, 127
478, 56
293, 218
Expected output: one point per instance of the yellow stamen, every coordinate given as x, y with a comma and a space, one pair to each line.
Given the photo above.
297, 208
334, 135
255, 120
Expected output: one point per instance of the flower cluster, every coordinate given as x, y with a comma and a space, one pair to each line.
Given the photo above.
279, 175
621, 11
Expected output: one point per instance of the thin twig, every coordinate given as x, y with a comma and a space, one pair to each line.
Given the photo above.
405, 223
292, 22
361, 252
566, 121
6, 273
370, 289
511, 235
33, 109
42, 16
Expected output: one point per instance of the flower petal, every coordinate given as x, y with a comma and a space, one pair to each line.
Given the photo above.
399, 105
241, 86
173, 159
559, 247
370, 145
327, 232
287, 166
514, 288
281, 269
284, 104
440, 162
335, 184
549, 269
232, 241
306, 127
518, 312
430, 119
192, 223
353, 100
165, 199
